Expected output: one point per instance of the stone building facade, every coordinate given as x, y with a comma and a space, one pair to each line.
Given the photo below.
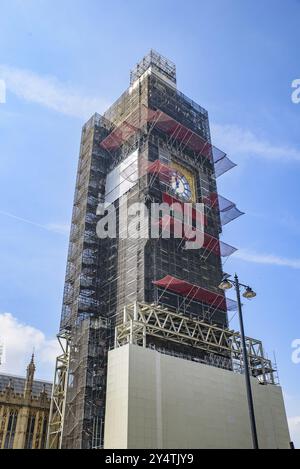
24, 411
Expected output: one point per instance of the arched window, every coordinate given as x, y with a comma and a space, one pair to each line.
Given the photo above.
30, 432
44, 432
11, 429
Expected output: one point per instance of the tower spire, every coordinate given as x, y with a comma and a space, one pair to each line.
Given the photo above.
29, 377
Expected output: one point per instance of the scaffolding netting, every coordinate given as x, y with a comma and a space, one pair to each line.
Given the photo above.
229, 215
228, 210
221, 161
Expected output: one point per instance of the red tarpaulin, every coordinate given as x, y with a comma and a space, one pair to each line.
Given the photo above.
196, 214
218, 301
159, 119
164, 171
118, 136
181, 133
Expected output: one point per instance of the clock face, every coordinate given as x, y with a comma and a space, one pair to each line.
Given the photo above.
180, 186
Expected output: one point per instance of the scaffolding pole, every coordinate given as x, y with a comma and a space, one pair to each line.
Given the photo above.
59, 390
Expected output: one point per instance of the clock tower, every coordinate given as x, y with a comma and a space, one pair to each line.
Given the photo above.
153, 145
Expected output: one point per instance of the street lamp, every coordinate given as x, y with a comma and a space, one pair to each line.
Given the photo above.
248, 293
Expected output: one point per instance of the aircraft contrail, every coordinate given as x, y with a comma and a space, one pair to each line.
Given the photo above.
62, 230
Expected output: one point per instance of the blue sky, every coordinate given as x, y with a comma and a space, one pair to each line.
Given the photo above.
64, 60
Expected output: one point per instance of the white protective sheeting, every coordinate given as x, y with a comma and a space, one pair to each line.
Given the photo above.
122, 178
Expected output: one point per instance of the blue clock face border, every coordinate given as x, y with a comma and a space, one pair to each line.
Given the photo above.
180, 186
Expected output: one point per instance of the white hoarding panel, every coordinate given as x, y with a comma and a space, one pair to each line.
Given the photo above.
154, 400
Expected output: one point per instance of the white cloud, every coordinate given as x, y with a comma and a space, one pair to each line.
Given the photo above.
259, 258
294, 425
19, 341
238, 141
2, 92
49, 92
60, 228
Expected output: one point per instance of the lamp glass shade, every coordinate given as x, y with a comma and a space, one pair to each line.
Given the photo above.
249, 293
225, 285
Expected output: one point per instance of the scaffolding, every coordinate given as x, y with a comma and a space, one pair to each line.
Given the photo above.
80, 400
142, 322
59, 389
128, 155
84, 412
155, 61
